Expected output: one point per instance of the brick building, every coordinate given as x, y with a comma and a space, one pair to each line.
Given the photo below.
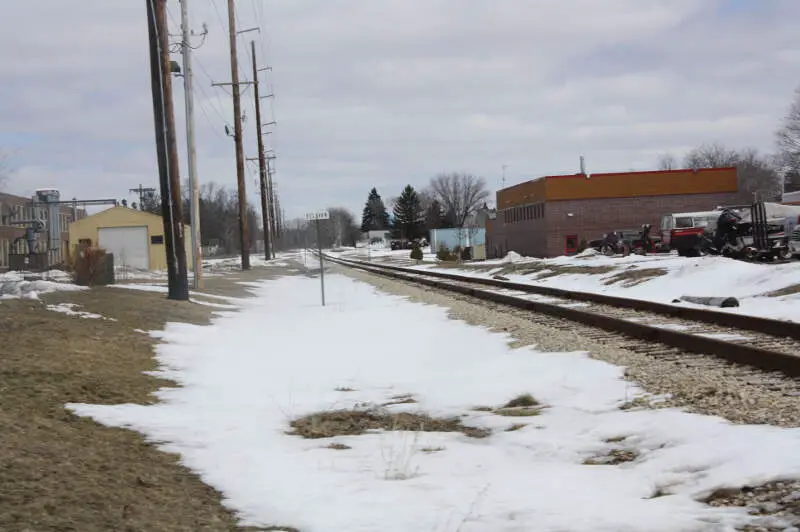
550, 216
15, 209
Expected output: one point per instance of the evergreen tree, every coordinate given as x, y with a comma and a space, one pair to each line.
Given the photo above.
408, 215
374, 217
434, 217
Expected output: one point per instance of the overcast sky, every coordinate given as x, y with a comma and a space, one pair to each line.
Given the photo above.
388, 92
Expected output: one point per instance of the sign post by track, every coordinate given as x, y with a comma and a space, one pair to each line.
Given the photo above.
316, 217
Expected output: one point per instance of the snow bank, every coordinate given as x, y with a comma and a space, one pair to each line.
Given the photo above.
237, 396
14, 286
753, 284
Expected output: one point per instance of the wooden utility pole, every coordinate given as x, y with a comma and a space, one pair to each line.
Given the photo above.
271, 192
161, 84
262, 162
244, 239
194, 209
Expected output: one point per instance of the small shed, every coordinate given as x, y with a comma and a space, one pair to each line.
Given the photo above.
135, 238
460, 237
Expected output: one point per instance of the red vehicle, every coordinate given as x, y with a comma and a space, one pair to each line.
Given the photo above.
683, 231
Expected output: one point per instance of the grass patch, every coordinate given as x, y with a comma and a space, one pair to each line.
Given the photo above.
616, 439
785, 291
518, 412
432, 449
632, 277
402, 399
356, 422
63, 472
338, 447
483, 409
344, 389
639, 402
525, 399
515, 427
614, 457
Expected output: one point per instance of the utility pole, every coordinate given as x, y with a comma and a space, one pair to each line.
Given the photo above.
271, 192
194, 210
262, 163
142, 190
161, 84
237, 134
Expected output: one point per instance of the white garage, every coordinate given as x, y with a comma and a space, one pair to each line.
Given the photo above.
129, 245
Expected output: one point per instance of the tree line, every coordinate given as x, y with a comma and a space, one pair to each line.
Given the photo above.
764, 176
219, 216
449, 200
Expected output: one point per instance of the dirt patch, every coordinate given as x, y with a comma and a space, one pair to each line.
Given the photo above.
768, 501
356, 422
632, 277
62, 472
614, 457
785, 291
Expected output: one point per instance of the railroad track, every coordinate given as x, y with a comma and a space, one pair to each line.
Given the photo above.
653, 328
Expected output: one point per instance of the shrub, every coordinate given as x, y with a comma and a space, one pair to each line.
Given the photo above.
583, 245
443, 253
416, 252
466, 254
93, 266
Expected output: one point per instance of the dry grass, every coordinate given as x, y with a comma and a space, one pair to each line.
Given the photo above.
62, 472
356, 422
338, 446
403, 399
483, 409
785, 291
616, 439
632, 277
614, 457
521, 400
344, 389
523, 411
430, 450
515, 427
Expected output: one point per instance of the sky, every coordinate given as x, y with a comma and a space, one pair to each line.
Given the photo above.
386, 93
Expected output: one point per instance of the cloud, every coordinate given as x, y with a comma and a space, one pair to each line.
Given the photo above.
389, 92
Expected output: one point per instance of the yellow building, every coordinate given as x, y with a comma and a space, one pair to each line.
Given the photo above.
136, 238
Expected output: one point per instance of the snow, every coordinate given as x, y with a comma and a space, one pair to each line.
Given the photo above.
750, 283
69, 309
13, 285
244, 377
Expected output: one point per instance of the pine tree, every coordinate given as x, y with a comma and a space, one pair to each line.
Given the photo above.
374, 216
434, 217
408, 215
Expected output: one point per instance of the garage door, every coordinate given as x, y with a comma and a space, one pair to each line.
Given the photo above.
128, 244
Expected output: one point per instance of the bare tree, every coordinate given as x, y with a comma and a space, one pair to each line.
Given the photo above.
341, 229
5, 168
788, 137
668, 161
711, 156
459, 194
758, 175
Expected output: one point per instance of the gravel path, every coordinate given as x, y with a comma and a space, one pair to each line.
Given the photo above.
705, 385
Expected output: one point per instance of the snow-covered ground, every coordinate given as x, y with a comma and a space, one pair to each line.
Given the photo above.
753, 284
246, 376
13, 285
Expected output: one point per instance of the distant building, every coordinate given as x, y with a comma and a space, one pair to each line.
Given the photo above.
15, 213
378, 237
551, 215
135, 238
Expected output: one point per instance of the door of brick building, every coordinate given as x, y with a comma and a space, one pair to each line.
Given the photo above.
571, 245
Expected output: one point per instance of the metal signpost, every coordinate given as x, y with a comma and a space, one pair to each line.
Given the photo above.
316, 217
